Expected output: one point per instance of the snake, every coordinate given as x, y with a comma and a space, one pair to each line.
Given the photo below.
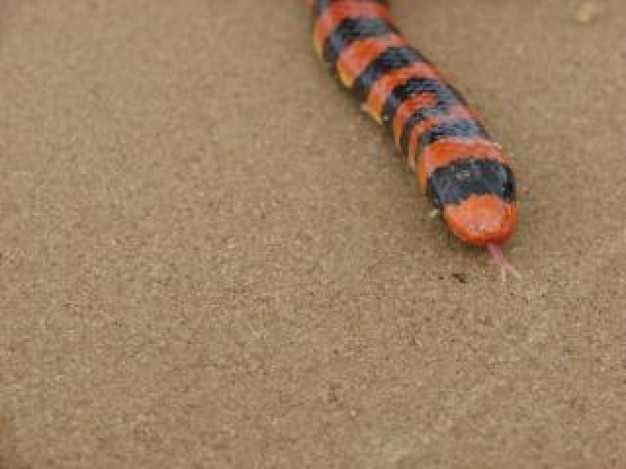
464, 172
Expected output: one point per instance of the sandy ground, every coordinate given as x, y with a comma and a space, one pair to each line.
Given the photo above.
210, 258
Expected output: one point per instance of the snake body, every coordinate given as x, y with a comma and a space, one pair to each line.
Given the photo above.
462, 170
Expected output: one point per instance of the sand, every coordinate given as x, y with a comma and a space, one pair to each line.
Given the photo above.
210, 258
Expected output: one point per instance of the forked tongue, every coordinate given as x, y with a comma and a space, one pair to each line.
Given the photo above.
505, 266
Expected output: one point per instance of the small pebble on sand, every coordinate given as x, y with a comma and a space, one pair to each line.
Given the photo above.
587, 13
